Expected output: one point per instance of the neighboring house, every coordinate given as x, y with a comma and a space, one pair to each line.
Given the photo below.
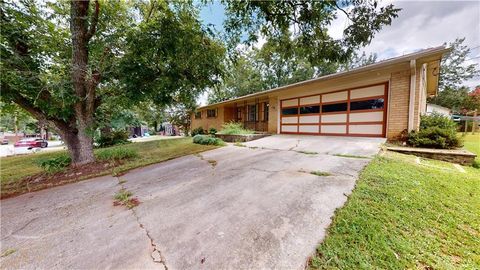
431, 108
137, 131
379, 100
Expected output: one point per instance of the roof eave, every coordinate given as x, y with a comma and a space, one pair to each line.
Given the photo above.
431, 54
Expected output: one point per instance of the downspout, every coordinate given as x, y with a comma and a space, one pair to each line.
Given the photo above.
411, 105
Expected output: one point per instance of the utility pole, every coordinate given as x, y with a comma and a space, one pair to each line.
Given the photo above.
475, 123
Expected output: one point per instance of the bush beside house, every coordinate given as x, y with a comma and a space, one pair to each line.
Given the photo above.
234, 128
436, 131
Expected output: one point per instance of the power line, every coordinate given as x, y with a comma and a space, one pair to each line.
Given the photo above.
472, 58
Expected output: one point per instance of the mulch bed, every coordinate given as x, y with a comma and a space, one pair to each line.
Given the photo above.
45, 180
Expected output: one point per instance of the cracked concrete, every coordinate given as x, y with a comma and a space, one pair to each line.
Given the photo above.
256, 211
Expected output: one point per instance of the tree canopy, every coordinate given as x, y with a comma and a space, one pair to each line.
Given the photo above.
301, 27
61, 61
455, 70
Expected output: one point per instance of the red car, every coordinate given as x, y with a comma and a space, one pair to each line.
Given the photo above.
32, 143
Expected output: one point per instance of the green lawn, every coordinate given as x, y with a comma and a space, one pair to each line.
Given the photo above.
472, 144
404, 215
13, 169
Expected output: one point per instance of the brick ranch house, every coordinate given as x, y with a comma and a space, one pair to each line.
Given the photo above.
378, 100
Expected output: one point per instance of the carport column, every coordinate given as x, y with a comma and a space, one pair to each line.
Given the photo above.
411, 105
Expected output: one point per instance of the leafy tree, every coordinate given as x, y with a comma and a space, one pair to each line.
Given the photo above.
454, 72
455, 69
15, 119
458, 99
62, 60
356, 61
302, 26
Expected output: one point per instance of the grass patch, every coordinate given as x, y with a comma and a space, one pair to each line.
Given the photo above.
472, 143
404, 215
350, 156
320, 173
16, 168
115, 154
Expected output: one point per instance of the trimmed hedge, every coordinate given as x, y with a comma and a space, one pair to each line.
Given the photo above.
207, 140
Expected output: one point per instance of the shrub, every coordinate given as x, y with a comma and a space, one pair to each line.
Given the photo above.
113, 138
57, 164
115, 154
207, 140
197, 131
436, 131
476, 164
212, 131
234, 128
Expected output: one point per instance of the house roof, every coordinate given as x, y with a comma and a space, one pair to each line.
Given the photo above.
430, 52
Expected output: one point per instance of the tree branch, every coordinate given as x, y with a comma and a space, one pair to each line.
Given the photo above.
150, 11
341, 9
94, 21
39, 114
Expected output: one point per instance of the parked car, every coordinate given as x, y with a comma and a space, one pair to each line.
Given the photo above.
4, 141
32, 143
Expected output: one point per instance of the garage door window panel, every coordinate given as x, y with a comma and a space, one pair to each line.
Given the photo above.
290, 111
310, 110
369, 104
335, 107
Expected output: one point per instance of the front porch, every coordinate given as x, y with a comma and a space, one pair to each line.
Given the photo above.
253, 114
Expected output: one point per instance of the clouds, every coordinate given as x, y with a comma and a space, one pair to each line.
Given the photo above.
424, 24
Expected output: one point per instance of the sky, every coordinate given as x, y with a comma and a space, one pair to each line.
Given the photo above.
420, 24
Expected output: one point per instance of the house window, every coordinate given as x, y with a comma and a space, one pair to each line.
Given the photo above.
198, 115
336, 107
309, 109
252, 111
370, 104
211, 113
290, 111
239, 113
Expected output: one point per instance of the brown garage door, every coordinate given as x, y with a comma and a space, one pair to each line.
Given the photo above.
358, 111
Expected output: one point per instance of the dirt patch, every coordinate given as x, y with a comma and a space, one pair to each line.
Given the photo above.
44, 180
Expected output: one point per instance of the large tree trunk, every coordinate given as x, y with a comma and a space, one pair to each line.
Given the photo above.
81, 147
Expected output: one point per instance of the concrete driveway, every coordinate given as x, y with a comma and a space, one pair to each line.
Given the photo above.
255, 207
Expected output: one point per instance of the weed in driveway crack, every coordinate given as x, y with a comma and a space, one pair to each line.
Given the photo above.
210, 161
317, 173
124, 196
351, 156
